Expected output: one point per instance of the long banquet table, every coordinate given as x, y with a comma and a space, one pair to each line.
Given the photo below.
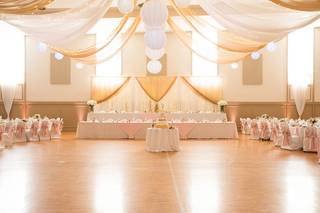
137, 130
196, 116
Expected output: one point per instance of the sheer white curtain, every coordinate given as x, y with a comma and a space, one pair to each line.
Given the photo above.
8, 93
180, 98
255, 19
299, 95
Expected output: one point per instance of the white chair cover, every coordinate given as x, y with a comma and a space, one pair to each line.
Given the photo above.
56, 128
255, 132
7, 136
44, 131
311, 139
20, 132
32, 134
290, 141
264, 130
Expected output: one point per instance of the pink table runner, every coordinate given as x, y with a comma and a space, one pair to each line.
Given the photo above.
184, 129
130, 128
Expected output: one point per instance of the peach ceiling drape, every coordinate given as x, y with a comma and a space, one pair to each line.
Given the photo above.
303, 5
22, 6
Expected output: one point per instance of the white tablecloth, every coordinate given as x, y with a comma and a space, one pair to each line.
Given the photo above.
103, 130
210, 116
162, 140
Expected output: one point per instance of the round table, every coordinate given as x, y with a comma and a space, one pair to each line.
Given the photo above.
162, 139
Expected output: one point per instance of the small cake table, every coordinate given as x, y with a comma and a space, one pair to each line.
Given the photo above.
162, 139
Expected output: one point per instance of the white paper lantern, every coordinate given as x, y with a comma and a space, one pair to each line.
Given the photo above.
155, 39
79, 66
234, 66
183, 3
154, 66
42, 47
58, 56
255, 55
154, 13
272, 46
154, 54
125, 6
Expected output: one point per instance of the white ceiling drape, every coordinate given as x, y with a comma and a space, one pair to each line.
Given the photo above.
259, 20
59, 28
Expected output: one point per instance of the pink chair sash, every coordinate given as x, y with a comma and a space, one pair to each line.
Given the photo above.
44, 129
34, 129
286, 136
255, 129
20, 130
312, 137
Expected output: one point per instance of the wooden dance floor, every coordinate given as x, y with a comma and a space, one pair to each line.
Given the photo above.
120, 176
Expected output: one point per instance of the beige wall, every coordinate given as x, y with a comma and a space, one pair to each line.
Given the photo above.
38, 87
134, 58
273, 88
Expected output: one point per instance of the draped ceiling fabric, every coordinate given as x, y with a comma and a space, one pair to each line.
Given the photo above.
208, 88
59, 28
156, 87
255, 19
303, 5
22, 6
105, 88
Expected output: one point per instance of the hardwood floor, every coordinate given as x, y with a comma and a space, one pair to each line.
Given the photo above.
119, 176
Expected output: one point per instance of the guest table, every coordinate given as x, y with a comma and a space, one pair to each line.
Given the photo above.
162, 139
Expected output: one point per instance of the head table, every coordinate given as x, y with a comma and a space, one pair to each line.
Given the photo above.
137, 130
196, 116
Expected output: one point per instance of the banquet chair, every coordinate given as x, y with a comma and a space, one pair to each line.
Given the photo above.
310, 139
32, 133
2, 129
254, 132
245, 126
56, 128
278, 136
264, 130
7, 136
20, 132
44, 131
290, 141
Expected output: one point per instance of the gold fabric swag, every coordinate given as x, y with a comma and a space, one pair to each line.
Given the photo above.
156, 87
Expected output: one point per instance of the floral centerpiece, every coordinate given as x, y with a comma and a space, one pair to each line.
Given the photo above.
265, 116
222, 104
91, 104
36, 116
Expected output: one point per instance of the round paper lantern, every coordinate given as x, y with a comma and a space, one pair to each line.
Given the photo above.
58, 56
79, 66
155, 39
255, 55
125, 6
42, 47
154, 54
154, 67
272, 46
183, 3
154, 13
234, 66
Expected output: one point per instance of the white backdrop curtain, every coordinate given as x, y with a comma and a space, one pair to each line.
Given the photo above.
180, 98
255, 19
59, 28
299, 95
8, 93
